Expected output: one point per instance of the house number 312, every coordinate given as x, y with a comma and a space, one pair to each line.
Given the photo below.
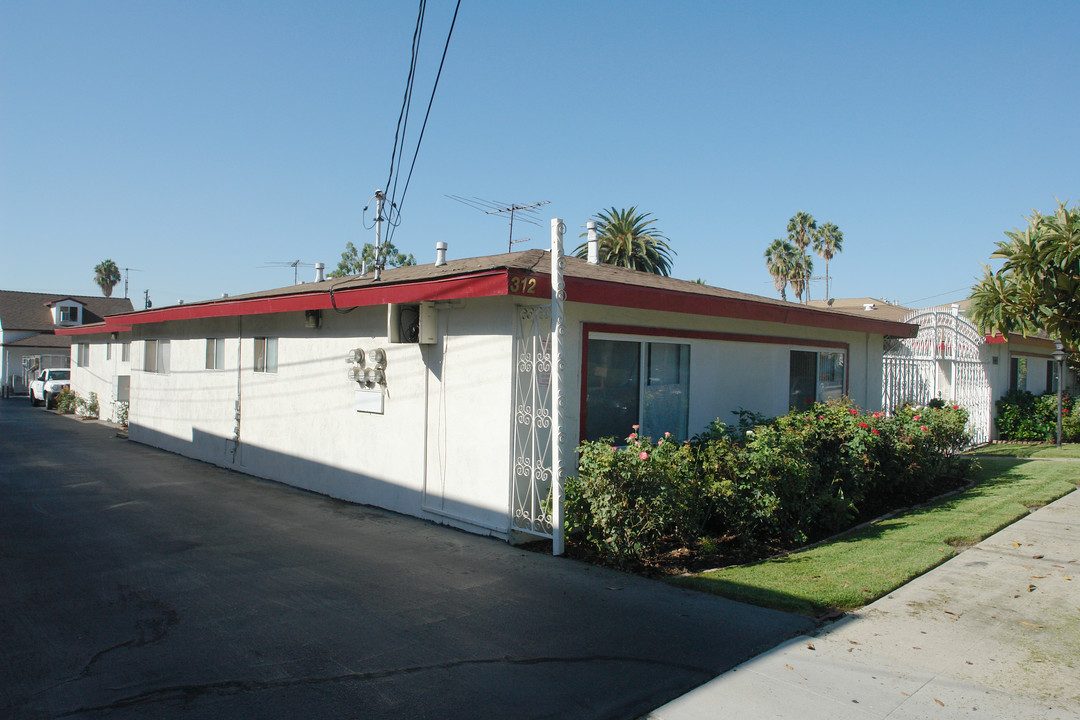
526, 286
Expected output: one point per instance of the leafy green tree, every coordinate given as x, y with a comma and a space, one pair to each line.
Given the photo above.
780, 259
1038, 286
828, 241
630, 239
354, 261
106, 275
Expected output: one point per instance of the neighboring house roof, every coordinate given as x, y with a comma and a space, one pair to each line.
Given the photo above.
41, 340
30, 310
891, 311
526, 274
866, 307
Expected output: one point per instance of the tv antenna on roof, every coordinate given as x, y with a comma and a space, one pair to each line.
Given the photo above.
295, 265
526, 213
127, 271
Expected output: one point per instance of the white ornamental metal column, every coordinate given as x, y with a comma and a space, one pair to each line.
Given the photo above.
558, 332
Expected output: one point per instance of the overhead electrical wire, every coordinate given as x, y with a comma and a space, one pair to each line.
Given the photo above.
395, 204
427, 113
400, 133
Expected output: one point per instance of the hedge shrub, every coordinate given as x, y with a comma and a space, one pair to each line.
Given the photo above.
796, 477
1026, 417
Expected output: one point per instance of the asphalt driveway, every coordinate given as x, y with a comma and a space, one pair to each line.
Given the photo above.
136, 583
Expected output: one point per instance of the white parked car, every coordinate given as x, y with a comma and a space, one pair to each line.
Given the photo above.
48, 385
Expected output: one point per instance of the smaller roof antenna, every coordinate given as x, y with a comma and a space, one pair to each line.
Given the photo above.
526, 213
295, 265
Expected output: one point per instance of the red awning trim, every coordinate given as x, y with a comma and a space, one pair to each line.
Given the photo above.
95, 329
481, 285
518, 283
600, 293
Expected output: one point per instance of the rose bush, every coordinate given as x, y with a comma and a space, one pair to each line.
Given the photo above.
797, 477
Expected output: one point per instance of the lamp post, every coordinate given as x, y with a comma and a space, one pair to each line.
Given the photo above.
1059, 358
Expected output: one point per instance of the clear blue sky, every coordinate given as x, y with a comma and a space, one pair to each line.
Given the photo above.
196, 141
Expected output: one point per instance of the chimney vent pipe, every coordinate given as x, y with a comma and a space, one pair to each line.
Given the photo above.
320, 275
440, 253
594, 244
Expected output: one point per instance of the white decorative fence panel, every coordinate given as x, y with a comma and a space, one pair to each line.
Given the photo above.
531, 484
942, 361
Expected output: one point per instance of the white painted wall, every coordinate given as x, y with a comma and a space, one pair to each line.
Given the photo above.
440, 449
100, 373
726, 375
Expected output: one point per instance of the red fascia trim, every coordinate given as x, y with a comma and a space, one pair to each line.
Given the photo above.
480, 285
999, 339
588, 328
603, 293
95, 329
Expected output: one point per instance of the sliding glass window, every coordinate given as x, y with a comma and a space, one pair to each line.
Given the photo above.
636, 383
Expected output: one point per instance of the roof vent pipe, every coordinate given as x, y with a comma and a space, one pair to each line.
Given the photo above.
440, 253
594, 244
320, 275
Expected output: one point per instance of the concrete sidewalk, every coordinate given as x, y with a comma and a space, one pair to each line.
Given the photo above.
992, 633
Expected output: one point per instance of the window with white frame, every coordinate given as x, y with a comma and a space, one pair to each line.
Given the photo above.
69, 314
266, 354
156, 356
632, 382
215, 353
815, 377
82, 354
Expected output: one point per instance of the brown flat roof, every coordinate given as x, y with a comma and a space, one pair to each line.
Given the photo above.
525, 274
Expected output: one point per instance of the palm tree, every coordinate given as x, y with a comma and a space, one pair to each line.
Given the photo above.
801, 229
828, 241
800, 275
630, 239
106, 275
780, 260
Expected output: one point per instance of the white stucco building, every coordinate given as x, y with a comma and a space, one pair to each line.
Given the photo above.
427, 391
101, 367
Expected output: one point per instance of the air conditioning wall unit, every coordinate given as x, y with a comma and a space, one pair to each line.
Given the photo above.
411, 323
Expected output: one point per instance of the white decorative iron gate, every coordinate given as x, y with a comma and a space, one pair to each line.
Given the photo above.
531, 487
942, 361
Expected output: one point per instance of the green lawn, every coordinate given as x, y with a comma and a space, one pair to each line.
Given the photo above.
1028, 450
863, 565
